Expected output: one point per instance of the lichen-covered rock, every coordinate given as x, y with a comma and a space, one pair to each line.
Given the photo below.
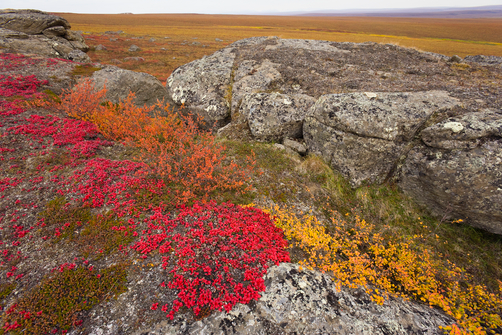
120, 82
458, 173
37, 32
464, 132
203, 87
362, 135
274, 116
252, 77
308, 302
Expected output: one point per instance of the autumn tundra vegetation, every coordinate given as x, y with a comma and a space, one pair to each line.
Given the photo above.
173, 193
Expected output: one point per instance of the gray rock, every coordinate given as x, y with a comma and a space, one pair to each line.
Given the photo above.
54, 31
134, 48
120, 82
308, 302
151, 39
218, 40
274, 116
252, 77
134, 59
362, 135
295, 146
458, 173
203, 86
36, 32
455, 59
485, 60
7, 33
100, 47
466, 132
79, 56
30, 21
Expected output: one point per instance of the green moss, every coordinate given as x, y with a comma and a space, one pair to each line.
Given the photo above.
59, 212
98, 239
58, 302
6, 289
85, 70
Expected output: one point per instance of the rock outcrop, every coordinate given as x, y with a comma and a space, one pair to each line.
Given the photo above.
457, 172
37, 32
264, 87
301, 302
363, 135
120, 82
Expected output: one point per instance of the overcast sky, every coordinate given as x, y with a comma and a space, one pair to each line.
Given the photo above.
226, 6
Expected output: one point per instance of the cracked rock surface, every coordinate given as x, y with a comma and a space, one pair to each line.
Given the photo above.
308, 302
37, 32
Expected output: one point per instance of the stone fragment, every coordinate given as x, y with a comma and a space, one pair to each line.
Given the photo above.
134, 48
79, 56
295, 146
100, 47
54, 31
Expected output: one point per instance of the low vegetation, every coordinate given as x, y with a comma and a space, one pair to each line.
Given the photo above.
183, 196
168, 41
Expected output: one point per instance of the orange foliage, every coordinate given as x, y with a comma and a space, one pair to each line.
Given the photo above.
188, 159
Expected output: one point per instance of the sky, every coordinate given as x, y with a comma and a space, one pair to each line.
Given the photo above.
227, 6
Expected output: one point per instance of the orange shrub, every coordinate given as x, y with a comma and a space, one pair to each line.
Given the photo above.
187, 158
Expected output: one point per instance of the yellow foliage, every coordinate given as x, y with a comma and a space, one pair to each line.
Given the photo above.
351, 250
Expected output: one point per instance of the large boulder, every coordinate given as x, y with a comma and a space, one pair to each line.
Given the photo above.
308, 302
33, 31
363, 135
120, 82
457, 173
203, 87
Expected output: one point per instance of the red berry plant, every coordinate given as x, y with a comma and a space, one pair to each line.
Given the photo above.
220, 255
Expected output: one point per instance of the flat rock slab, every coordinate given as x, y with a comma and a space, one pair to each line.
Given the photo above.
362, 135
308, 302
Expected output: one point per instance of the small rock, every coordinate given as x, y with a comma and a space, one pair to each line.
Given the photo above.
218, 40
151, 39
134, 59
115, 61
100, 47
114, 39
196, 43
134, 48
295, 146
455, 59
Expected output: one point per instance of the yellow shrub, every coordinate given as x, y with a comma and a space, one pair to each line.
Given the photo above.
351, 250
